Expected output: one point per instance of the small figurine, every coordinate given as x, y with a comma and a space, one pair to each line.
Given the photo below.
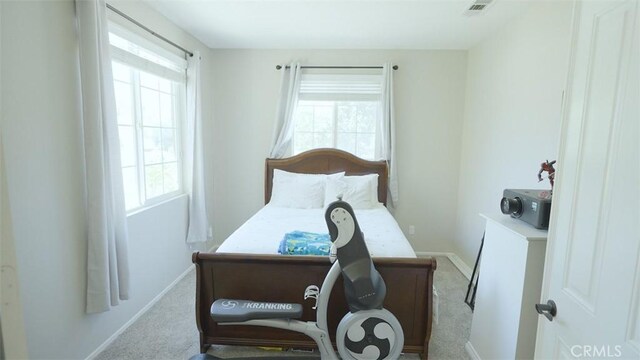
551, 171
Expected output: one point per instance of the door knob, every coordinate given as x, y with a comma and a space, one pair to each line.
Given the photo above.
549, 310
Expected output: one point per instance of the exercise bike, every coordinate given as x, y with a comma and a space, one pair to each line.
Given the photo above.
368, 331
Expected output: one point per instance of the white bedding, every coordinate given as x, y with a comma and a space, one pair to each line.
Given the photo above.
261, 234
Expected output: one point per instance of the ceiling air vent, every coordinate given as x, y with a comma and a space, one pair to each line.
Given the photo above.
477, 7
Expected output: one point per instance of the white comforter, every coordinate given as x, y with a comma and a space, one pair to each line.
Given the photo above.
261, 234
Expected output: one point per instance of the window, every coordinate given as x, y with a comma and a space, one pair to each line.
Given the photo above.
150, 101
345, 125
338, 111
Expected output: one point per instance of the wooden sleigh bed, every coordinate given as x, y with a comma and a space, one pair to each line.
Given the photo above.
278, 278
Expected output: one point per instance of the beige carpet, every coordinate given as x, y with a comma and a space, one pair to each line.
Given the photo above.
168, 329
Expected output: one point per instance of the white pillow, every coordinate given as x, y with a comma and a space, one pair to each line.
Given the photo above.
361, 192
300, 191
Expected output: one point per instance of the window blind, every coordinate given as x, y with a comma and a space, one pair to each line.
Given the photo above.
340, 87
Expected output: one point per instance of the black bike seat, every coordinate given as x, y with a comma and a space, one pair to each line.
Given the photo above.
363, 286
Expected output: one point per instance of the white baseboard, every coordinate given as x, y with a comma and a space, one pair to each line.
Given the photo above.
473, 354
461, 265
432, 253
455, 259
138, 315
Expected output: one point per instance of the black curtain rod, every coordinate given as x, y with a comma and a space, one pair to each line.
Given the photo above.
395, 67
149, 30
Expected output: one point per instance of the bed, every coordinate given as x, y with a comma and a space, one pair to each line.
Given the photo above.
256, 272
261, 234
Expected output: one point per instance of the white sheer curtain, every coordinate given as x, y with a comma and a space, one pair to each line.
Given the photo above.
388, 130
194, 159
289, 91
107, 253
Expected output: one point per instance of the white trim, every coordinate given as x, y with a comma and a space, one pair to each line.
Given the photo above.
461, 265
473, 354
432, 253
156, 202
455, 259
142, 311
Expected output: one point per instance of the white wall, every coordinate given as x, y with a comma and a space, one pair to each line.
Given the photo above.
42, 143
515, 81
429, 93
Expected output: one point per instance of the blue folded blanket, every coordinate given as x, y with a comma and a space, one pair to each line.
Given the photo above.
305, 243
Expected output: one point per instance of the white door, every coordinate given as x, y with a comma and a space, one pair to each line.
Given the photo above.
592, 269
13, 343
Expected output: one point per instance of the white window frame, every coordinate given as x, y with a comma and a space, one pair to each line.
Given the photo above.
338, 88
178, 79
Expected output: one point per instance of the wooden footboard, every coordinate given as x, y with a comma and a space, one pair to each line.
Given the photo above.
279, 278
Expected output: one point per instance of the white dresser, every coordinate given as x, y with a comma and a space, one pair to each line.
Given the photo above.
505, 320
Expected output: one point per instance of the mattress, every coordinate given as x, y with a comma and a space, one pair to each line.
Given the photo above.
262, 233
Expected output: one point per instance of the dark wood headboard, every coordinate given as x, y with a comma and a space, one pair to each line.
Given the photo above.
327, 161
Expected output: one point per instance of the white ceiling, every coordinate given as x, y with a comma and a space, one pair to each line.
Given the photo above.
333, 24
